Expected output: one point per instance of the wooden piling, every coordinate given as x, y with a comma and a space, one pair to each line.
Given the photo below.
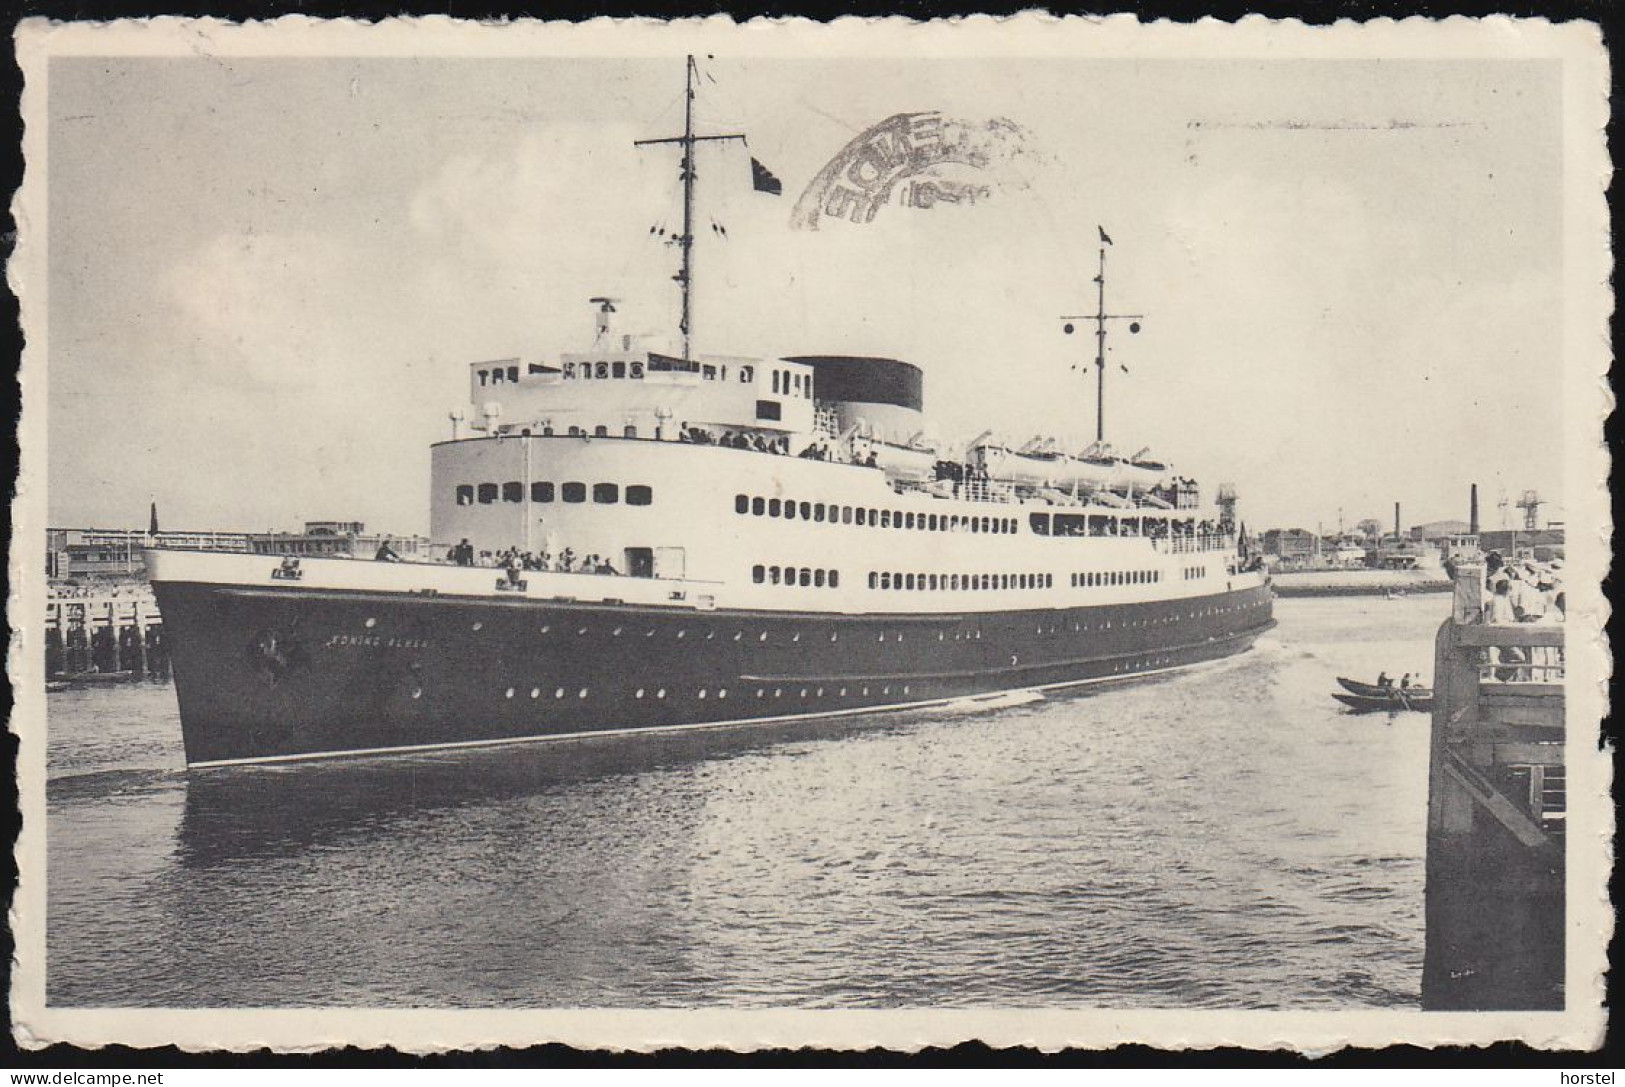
1496, 808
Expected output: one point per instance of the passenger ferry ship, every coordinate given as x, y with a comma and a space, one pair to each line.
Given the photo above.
644, 541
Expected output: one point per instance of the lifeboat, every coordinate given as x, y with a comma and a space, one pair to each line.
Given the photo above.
915, 462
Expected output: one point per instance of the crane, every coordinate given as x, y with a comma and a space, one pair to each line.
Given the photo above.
1530, 503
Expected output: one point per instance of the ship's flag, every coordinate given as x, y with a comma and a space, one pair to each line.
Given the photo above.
152, 524
762, 179
1105, 238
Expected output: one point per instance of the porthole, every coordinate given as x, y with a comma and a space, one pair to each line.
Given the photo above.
885, 690
478, 626
559, 693
834, 636
581, 630
702, 694
710, 634
905, 688
371, 622
638, 693
508, 693
738, 634
866, 691
803, 692
660, 693
843, 692
682, 634
760, 692
778, 692
796, 637
722, 692
417, 692
616, 633
546, 628
535, 692
819, 693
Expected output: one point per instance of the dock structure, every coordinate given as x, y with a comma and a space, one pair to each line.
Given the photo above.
1496, 808
104, 636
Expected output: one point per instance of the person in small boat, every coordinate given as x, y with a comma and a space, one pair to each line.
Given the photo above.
1384, 680
1405, 682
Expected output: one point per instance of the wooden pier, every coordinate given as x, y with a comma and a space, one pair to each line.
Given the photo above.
1496, 809
103, 636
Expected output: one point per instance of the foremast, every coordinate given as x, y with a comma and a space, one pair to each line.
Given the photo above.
685, 241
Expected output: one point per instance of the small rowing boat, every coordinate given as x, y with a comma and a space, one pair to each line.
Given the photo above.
1372, 690
1393, 702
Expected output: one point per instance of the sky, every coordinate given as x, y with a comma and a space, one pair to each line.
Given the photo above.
267, 276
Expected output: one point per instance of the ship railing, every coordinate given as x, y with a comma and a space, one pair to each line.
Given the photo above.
1190, 545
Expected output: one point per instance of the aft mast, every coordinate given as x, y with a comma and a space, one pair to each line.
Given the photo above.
1100, 317
685, 277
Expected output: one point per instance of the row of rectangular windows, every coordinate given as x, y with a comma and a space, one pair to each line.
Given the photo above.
787, 384
959, 582
793, 575
1097, 579
860, 515
1192, 572
605, 494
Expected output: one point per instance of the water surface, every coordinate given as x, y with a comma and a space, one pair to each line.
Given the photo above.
1222, 837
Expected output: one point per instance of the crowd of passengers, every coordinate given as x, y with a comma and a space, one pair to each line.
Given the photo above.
516, 561
1523, 592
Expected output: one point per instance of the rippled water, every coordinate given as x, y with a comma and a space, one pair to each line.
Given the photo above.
1225, 837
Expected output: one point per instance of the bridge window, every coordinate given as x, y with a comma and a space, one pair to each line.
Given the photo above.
768, 409
775, 382
606, 494
496, 377
758, 574
834, 583
601, 370
484, 376
710, 373
861, 517
513, 492
747, 374
773, 575
818, 579
874, 580
806, 577
574, 492
488, 493
806, 511
541, 492
637, 371
629, 431
465, 494
789, 511
639, 494
741, 503
617, 369
773, 505
1039, 522
513, 374
885, 518
818, 511
885, 580
757, 507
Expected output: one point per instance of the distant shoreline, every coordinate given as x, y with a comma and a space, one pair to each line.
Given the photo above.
1358, 582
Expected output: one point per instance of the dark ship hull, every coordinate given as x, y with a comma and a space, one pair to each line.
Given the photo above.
275, 673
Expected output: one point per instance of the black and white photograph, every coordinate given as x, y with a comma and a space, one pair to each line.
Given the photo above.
1049, 532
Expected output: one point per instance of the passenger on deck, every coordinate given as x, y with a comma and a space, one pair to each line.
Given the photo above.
871, 462
512, 565
567, 560
1499, 609
385, 553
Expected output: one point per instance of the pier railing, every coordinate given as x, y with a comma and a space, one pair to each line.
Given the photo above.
1496, 811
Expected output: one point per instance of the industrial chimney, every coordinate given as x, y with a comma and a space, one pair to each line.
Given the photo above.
1472, 512
1396, 522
